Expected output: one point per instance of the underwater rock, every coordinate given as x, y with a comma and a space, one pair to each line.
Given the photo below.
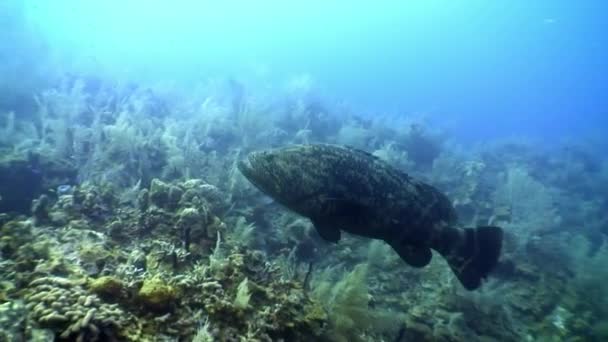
174, 196
192, 223
156, 295
59, 218
191, 216
218, 201
143, 199
180, 211
137, 259
66, 206
116, 230
107, 287
196, 190
40, 209
93, 257
20, 183
94, 202
17, 243
159, 193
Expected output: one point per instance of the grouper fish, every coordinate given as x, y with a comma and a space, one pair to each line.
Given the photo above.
340, 188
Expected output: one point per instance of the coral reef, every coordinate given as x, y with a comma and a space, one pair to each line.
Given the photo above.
65, 306
123, 217
109, 293
156, 295
107, 287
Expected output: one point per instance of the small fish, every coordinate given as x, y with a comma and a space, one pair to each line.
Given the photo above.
549, 21
344, 189
64, 189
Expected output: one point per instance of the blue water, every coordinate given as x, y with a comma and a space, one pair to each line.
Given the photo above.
481, 69
122, 123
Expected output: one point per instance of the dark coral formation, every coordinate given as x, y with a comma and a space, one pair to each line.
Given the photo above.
24, 178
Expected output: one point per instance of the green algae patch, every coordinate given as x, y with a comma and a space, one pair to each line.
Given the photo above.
107, 287
156, 295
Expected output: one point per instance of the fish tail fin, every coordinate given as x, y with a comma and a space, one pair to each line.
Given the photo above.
472, 253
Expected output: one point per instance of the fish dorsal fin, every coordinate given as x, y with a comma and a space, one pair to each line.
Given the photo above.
361, 152
328, 231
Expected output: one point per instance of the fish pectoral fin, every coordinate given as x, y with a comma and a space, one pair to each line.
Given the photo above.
413, 255
328, 231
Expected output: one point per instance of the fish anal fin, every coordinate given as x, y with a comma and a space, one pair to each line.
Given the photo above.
328, 231
413, 255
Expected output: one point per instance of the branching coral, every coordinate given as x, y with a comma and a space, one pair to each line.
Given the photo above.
65, 306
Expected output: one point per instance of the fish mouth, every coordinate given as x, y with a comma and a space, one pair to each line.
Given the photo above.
258, 171
251, 169
246, 167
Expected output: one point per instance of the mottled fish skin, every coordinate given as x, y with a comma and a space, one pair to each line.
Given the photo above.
312, 179
340, 188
